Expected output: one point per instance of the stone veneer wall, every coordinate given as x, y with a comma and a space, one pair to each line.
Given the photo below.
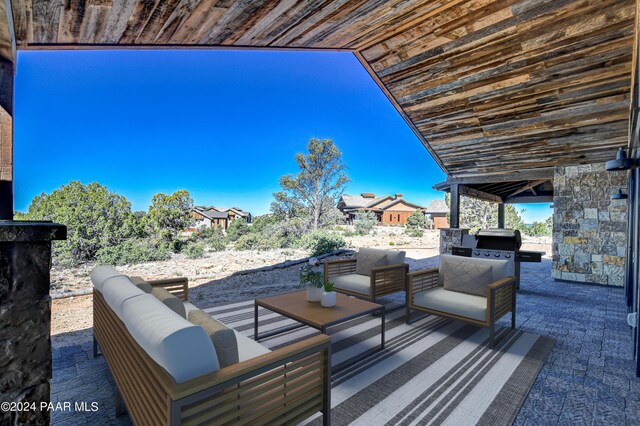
589, 228
25, 318
451, 237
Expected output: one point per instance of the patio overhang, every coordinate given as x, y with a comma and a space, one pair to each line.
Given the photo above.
498, 91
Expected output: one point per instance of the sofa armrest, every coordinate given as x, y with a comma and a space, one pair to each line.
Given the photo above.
179, 287
420, 281
335, 268
501, 297
313, 352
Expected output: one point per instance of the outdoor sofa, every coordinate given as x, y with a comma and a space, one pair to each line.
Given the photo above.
476, 291
371, 274
169, 370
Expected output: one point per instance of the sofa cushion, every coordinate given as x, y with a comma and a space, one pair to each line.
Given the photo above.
183, 349
453, 302
499, 268
172, 302
471, 278
117, 290
188, 307
353, 282
368, 259
100, 274
141, 284
223, 338
249, 348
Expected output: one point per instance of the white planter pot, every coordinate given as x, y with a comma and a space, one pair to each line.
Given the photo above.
328, 299
314, 294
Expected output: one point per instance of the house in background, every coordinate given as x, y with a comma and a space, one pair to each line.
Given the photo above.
437, 212
211, 216
389, 209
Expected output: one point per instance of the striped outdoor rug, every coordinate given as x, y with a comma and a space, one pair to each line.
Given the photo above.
434, 371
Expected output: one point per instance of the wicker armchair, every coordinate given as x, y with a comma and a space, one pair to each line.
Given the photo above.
425, 293
382, 280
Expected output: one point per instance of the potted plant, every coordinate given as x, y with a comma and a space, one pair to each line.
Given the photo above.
313, 280
328, 296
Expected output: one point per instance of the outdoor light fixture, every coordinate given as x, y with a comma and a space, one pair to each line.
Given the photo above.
620, 163
619, 195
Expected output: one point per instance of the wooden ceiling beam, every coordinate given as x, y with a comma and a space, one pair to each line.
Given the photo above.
481, 195
527, 187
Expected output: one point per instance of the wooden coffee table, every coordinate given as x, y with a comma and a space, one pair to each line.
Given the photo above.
295, 306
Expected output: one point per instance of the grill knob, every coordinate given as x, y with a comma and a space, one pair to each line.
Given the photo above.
496, 255
508, 256
477, 253
487, 254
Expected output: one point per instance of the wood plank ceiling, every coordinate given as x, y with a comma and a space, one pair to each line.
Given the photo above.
490, 86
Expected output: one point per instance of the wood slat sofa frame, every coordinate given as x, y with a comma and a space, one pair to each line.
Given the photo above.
284, 386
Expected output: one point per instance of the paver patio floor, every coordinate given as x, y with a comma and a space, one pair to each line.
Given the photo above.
587, 379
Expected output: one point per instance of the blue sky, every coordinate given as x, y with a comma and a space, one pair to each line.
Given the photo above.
224, 125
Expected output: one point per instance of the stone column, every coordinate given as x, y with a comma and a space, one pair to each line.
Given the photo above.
451, 237
589, 228
25, 317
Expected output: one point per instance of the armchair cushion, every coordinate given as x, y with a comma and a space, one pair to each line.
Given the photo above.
453, 302
470, 278
499, 268
368, 258
353, 282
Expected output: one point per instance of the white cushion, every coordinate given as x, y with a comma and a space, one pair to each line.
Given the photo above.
188, 307
499, 268
249, 348
353, 282
183, 349
453, 302
116, 290
100, 274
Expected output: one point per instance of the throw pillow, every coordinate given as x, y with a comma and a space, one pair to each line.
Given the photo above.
470, 278
368, 259
141, 284
170, 301
223, 338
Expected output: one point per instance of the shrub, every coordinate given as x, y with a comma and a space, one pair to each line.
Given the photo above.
320, 242
391, 243
364, 222
134, 250
212, 238
194, 249
416, 223
237, 229
247, 242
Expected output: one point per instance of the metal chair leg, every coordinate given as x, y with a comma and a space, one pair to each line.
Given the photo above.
121, 408
491, 336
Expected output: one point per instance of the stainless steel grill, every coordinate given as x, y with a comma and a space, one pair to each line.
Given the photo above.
498, 244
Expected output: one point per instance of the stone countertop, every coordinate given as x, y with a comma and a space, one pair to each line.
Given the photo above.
28, 231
